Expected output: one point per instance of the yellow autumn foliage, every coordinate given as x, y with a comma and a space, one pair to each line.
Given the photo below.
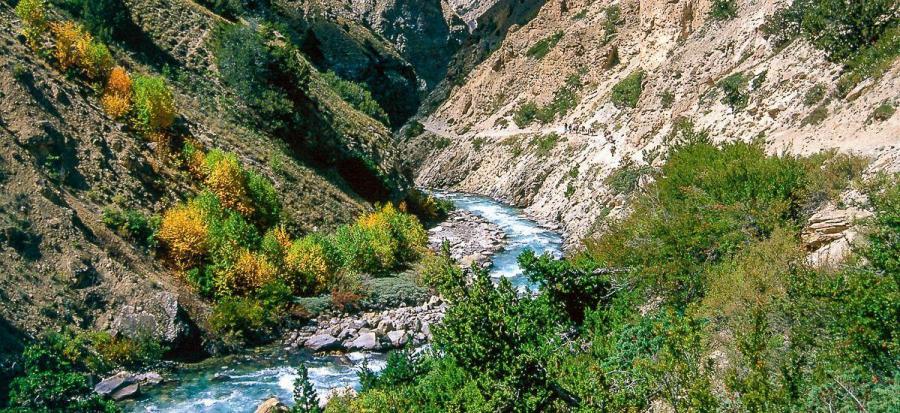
226, 180
116, 98
183, 232
67, 35
34, 20
307, 265
250, 272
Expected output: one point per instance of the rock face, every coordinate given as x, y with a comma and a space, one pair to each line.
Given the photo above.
161, 316
829, 234
472, 239
272, 405
370, 331
125, 385
683, 54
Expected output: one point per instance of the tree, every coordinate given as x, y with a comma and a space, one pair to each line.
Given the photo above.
305, 398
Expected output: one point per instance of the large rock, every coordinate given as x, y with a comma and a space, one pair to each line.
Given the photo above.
272, 405
109, 385
397, 338
365, 341
322, 342
127, 392
159, 315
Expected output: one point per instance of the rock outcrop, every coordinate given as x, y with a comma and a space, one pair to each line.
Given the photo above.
472, 239
683, 55
379, 331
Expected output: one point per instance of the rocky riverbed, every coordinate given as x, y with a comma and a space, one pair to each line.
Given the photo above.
374, 331
472, 238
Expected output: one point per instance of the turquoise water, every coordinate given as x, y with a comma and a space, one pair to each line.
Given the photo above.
268, 372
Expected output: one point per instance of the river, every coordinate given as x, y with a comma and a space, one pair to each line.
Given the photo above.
270, 371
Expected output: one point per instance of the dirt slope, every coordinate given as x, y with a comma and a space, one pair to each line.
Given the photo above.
684, 55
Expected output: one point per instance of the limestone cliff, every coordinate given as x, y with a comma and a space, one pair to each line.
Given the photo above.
473, 143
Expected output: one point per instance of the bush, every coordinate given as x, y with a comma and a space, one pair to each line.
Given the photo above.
526, 114
249, 273
34, 20
133, 225
426, 207
225, 177
625, 179
883, 112
415, 129
815, 95
229, 9
96, 60
55, 379
544, 144
543, 46
723, 10
735, 91
310, 264
184, 233
358, 96
116, 98
68, 36
131, 353
264, 198
240, 320
627, 92
154, 103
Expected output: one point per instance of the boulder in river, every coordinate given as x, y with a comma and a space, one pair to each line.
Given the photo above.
365, 341
322, 342
109, 385
272, 405
126, 392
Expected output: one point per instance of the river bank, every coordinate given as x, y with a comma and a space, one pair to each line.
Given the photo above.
496, 232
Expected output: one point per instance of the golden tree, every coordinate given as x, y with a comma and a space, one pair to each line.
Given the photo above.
226, 180
116, 98
183, 232
250, 272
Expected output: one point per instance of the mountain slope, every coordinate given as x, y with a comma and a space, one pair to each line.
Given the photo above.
684, 56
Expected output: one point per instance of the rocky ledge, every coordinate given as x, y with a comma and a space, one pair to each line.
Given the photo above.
376, 331
472, 238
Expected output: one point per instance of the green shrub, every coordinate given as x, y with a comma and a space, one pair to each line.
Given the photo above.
734, 88
250, 320
667, 98
883, 112
613, 19
131, 353
426, 207
55, 379
564, 100
625, 179
817, 116
415, 129
266, 203
814, 95
723, 10
358, 96
229, 9
133, 225
35, 22
544, 144
154, 103
526, 114
627, 92
543, 46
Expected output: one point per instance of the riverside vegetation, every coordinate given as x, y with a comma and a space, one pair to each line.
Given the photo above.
701, 300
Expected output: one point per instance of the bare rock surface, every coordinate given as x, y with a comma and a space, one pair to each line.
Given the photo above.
472, 239
373, 331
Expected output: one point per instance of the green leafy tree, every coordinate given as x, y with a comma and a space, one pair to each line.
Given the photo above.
305, 398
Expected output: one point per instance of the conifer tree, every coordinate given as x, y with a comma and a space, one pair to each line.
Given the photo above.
305, 398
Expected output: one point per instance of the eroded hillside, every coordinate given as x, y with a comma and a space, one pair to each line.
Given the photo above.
556, 77
65, 164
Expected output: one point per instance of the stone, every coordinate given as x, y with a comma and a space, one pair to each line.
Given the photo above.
127, 392
365, 341
109, 385
160, 314
322, 342
150, 378
220, 377
398, 338
272, 405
